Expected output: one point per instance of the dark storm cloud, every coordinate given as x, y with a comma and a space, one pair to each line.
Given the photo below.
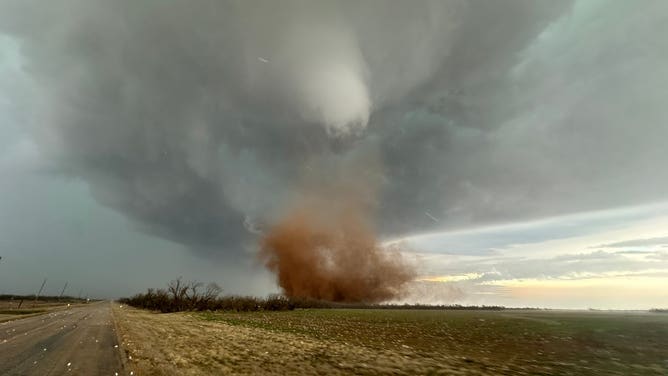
489, 240
573, 120
196, 119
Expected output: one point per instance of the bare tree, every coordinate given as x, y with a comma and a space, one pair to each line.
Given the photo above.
193, 295
178, 290
212, 291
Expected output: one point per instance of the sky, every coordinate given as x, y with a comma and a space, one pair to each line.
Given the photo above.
517, 148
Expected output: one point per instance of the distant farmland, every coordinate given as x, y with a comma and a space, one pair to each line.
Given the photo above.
19, 306
359, 341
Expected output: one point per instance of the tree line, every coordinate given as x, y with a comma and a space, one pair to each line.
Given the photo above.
195, 296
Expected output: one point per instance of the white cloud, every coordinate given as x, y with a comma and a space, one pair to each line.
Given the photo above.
536, 254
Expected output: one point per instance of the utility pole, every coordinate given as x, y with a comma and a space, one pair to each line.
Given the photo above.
40, 290
80, 291
63, 291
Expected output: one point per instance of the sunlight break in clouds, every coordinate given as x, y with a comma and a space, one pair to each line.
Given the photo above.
563, 258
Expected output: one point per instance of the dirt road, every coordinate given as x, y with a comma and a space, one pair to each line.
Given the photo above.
75, 341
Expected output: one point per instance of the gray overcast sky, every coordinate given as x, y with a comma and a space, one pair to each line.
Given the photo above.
140, 141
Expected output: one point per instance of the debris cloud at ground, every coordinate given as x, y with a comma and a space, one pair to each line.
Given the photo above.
325, 246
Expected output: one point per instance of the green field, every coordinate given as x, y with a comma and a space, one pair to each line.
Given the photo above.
505, 342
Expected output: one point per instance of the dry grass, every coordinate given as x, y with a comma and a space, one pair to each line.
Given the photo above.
11, 305
336, 341
182, 344
10, 310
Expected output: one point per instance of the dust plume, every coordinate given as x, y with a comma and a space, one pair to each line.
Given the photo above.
325, 248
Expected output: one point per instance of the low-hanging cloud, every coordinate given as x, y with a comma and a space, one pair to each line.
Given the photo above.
196, 119
649, 242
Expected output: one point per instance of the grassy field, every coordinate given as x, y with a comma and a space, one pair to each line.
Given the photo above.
331, 341
554, 341
10, 310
